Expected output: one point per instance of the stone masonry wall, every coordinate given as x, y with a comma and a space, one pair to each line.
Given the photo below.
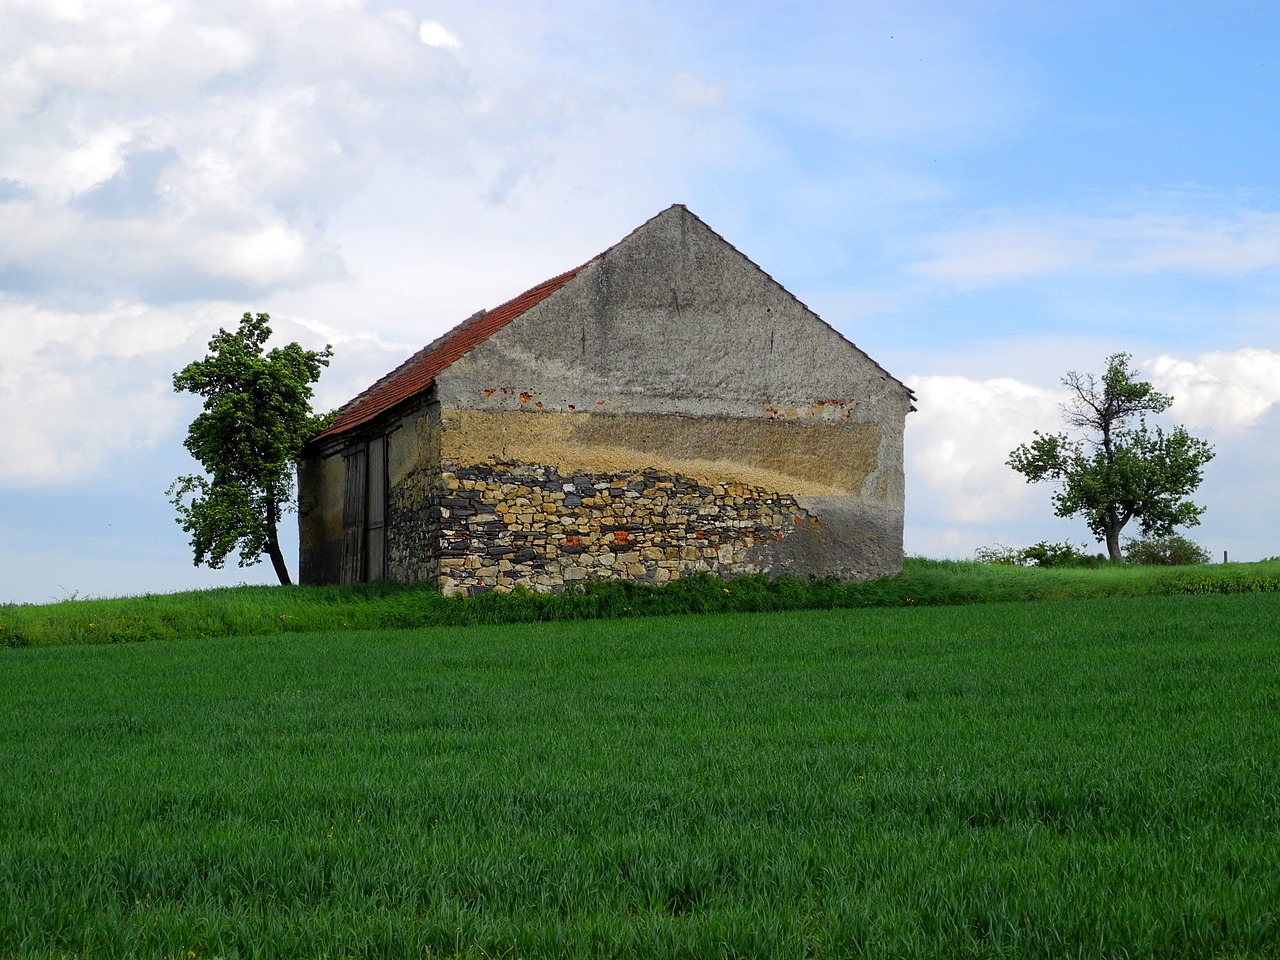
510, 524
414, 527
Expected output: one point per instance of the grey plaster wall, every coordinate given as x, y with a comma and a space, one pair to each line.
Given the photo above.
674, 321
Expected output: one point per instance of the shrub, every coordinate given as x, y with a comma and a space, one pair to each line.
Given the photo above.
1174, 550
1064, 554
999, 554
1042, 554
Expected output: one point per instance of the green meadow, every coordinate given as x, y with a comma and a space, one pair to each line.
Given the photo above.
1044, 778
256, 611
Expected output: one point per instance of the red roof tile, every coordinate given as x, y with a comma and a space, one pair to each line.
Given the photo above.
418, 372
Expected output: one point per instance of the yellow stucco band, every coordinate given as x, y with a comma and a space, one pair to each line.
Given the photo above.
789, 457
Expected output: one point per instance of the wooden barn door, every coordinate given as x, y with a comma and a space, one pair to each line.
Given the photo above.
353, 514
375, 550
364, 512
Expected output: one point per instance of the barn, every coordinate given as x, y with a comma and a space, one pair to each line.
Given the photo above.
664, 409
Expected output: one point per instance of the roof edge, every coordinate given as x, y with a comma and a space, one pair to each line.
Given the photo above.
418, 372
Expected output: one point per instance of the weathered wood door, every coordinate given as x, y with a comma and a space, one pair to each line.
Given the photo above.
364, 512
375, 549
353, 507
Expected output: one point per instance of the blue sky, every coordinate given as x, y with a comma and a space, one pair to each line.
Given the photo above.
982, 195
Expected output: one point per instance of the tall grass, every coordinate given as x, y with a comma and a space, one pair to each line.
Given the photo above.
1084, 779
251, 611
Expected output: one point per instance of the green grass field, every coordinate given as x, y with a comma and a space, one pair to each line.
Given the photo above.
256, 611
1081, 778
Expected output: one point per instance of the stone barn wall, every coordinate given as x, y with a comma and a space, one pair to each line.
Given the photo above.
669, 409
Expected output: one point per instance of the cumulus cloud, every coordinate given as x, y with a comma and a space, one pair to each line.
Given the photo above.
81, 390
77, 389
1231, 391
147, 147
437, 35
960, 438
1018, 246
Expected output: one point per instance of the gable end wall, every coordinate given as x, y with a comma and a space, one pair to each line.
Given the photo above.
670, 410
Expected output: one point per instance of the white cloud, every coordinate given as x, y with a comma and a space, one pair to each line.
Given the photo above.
78, 389
81, 390
273, 255
960, 438
152, 148
65, 417
1225, 390
152, 145
437, 35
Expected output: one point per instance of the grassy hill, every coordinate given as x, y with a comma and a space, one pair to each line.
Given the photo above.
256, 611
1091, 777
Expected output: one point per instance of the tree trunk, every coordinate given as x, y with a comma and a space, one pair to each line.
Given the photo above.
1113, 541
273, 546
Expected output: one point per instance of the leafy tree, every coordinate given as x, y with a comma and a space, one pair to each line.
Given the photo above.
257, 415
1118, 472
1174, 550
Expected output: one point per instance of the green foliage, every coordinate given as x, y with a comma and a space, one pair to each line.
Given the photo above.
256, 418
1174, 550
1238, 582
1117, 473
252, 611
1064, 554
1000, 555
1041, 554
1094, 779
